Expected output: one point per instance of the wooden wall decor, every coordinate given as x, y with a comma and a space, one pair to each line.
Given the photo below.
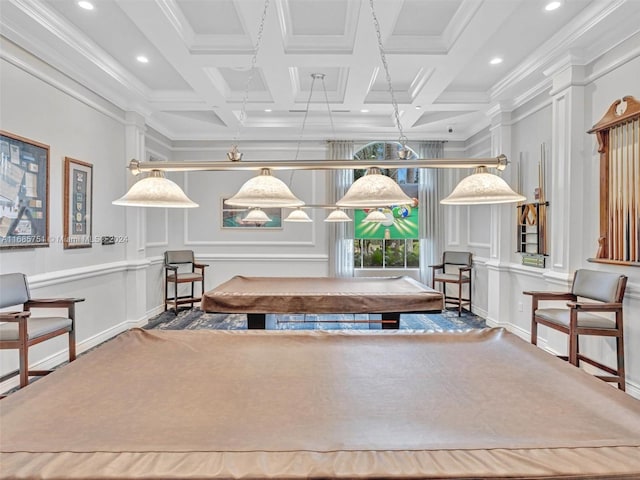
618, 135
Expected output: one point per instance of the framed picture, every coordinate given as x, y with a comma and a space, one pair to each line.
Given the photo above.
24, 192
78, 203
233, 217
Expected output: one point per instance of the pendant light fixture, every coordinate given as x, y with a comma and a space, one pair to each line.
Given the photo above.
482, 187
298, 215
155, 191
371, 190
265, 190
375, 216
338, 215
374, 190
256, 216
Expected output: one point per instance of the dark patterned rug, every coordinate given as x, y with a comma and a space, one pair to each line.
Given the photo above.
196, 319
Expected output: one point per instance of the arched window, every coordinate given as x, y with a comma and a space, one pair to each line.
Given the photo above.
393, 244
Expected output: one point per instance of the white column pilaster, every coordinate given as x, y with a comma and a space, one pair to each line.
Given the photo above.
502, 223
136, 281
567, 166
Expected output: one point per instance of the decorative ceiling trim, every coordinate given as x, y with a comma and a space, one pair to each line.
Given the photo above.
75, 39
459, 22
581, 24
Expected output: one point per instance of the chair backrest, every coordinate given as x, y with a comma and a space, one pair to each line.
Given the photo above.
172, 257
457, 258
602, 286
14, 289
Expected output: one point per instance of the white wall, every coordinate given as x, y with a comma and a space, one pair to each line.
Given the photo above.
39, 103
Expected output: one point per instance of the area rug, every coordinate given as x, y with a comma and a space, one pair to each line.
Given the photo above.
196, 319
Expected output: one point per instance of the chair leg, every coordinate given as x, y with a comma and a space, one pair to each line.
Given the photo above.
175, 298
622, 384
72, 345
192, 293
166, 292
534, 330
24, 365
470, 290
459, 299
573, 348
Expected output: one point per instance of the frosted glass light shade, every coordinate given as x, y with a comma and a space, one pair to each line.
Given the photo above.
256, 215
337, 215
155, 191
264, 190
480, 188
375, 216
374, 190
298, 215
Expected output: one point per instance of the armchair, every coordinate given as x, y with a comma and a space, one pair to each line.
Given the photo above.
20, 330
180, 266
604, 293
454, 269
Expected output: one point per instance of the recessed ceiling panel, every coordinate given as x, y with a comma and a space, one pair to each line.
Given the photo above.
425, 17
112, 30
212, 17
313, 17
312, 26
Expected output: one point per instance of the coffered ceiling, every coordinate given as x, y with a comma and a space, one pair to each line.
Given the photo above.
199, 56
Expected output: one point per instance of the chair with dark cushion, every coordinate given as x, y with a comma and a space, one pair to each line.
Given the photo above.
180, 267
593, 307
454, 269
21, 330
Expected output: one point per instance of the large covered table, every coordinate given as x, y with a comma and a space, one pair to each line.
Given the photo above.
257, 296
255, 404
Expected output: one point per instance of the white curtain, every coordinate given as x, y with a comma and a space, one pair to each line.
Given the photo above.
432, 224
340, 234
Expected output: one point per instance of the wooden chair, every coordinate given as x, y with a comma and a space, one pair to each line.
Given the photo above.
180, 267
21, 330
604, 292
455, 269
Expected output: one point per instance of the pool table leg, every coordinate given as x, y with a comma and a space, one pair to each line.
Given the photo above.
256, 321
395, 325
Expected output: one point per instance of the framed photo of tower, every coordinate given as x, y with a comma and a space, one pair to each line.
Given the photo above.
24, 192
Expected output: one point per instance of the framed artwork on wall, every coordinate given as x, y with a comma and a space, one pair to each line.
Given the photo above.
78, 203
232, 217
24, 192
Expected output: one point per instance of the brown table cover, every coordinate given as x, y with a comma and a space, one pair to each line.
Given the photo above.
321, 295
206, 404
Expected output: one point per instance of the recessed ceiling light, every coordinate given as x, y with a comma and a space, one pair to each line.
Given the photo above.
86, 5
495, 61
552, 6
418, 107
142, 59
267, 110
364, 110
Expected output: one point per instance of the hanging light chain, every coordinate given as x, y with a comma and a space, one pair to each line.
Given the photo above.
314, 76
326, 100
243, 111
383, 57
